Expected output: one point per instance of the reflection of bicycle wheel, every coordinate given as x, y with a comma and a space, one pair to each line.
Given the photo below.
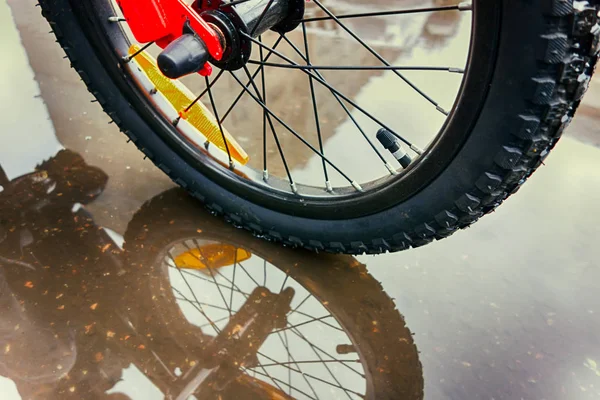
301, 325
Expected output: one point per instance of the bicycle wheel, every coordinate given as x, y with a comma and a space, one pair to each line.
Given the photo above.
200, 274
319, 140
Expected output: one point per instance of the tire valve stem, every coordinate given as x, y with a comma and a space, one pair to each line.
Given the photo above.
392, 144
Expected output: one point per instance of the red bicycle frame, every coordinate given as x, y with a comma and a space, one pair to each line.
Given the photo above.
162, 21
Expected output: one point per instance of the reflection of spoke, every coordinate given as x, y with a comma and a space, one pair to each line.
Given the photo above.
233, 279
201, 303
249, 276
291, 357
383, 13
303, 323
275, 362
321, 321
235, 287
198, 306
279, 380
339, 386
379, 57
287, 348
258, 70
343, 96
310, 362
315, 347
273, 379
215, 321
208, 280
202, 259
308, 296
299, 137
359, 68
295, 310
328, 370
284, 282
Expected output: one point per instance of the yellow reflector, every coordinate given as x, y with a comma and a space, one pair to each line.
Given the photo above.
198, 115
214, 255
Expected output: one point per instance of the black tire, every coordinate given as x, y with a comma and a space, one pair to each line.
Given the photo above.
388, 353
540, 56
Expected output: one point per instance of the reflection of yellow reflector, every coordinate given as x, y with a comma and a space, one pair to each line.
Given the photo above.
214, 255
198, 115
263, 389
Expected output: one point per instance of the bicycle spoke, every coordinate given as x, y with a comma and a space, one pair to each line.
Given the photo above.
200, 95
379, 57
262, 16
258, 70
264, 96
131, 57
315, 111
343, 96
341, 103
359, 68
387, 13
214, 107
233, 3
279, 148
293, 132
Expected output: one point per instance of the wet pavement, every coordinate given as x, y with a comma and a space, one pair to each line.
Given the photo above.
114, 284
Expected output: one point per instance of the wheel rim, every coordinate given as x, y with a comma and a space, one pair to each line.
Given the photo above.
347, 201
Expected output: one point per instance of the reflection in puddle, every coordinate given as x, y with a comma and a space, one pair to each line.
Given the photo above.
188, 307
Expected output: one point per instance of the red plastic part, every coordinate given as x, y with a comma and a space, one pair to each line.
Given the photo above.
161, 21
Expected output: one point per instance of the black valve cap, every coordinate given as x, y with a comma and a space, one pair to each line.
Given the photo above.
387, 140
183, 56
391, 144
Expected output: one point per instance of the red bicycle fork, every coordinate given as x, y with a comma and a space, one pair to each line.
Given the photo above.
163, 21
207, 30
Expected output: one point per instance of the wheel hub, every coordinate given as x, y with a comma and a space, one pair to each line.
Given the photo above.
234, 23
